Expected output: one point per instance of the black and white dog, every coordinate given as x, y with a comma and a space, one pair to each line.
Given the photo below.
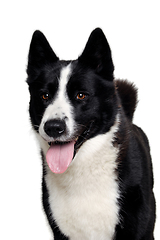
97, 171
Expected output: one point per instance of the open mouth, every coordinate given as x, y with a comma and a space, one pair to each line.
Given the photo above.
60, 154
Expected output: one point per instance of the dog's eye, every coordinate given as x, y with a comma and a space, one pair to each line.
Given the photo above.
81, 96
45, 96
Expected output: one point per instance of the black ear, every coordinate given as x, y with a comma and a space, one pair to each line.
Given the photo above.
40, 53
97, 55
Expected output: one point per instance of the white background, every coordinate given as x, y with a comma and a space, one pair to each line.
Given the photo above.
132, 29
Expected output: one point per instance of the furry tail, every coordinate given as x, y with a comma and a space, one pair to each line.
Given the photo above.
128, 96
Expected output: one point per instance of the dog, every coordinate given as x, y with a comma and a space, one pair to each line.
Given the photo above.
97, 172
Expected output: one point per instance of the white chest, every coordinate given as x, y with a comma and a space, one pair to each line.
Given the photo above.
84, 198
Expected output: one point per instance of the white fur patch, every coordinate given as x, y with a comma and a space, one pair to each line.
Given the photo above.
84, 199
60, 108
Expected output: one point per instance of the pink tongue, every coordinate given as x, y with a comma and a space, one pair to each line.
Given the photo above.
60, 156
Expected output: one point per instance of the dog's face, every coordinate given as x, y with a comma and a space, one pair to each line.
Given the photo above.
71, 101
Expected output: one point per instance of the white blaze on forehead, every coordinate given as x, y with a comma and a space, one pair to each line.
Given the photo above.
61, 107
64, 77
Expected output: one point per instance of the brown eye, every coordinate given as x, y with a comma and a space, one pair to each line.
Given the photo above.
45, 96
81, 96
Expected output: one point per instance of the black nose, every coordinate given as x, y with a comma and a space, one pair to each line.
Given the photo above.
55, 128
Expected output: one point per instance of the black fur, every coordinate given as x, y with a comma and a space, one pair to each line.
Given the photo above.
93, 74
128, 95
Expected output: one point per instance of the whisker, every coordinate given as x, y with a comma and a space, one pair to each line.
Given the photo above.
36, 125
81, 125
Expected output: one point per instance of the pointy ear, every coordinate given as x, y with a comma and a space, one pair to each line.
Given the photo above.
40, 54
97, 55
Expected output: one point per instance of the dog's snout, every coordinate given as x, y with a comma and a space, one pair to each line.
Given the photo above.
55, 128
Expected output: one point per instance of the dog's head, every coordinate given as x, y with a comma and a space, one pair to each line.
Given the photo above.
71, 101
